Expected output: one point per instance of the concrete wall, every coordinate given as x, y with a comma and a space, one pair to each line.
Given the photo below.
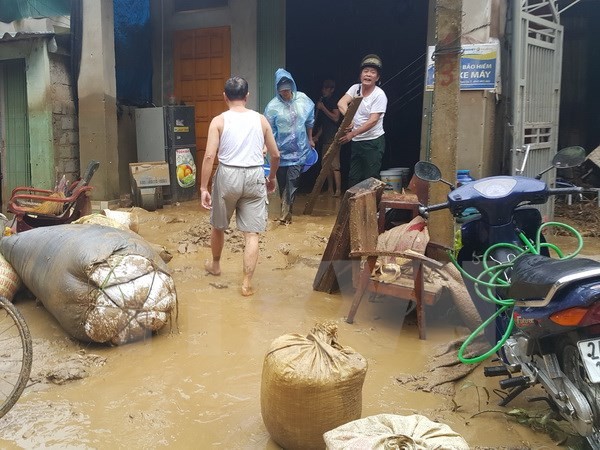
477, 149
97, 100
127, 146
65, 128
239, 15
479, 143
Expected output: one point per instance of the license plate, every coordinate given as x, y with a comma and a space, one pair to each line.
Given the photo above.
590, 354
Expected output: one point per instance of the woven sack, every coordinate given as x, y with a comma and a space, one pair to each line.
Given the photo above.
391, 431
99, 219
310, 384
10, 282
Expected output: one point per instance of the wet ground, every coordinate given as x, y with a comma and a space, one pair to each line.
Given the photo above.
197, 383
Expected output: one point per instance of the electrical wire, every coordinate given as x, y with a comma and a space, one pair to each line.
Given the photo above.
420, 77
489, 281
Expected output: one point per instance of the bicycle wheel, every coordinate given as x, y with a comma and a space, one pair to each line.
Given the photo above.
16, 354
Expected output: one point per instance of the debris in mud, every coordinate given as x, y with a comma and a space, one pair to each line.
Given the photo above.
68, 370
164, 254
584, 216
293, 257
52, 366
284, 248
444, 369
199, 236
219, 285
187, 247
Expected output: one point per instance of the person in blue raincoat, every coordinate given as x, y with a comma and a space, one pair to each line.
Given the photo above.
292, 115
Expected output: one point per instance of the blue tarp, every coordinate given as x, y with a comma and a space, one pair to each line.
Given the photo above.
133, 51
11, 10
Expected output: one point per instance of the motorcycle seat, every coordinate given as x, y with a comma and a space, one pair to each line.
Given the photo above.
535, 278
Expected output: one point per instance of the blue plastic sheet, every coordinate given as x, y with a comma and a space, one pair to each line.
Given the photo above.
133, 51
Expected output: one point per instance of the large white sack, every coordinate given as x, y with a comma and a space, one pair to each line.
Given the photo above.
102, 284
391, 431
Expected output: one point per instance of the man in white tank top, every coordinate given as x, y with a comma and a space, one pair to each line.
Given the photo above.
238, 137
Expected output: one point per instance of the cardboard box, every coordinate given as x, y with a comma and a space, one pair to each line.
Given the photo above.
150, 174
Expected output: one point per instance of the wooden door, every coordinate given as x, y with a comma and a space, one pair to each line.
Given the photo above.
14, 128
202, 64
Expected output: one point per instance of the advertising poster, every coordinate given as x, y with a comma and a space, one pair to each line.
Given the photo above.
479, 64
186, 169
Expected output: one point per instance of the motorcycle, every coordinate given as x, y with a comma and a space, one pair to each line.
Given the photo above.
545, 311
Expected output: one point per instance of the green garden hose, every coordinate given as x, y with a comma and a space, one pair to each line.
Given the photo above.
489, 281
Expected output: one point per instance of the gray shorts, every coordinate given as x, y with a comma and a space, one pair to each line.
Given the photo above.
243, 190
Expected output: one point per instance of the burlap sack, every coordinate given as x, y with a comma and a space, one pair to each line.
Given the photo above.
127, 218
10, 282
310, 384
99, 219
387, 431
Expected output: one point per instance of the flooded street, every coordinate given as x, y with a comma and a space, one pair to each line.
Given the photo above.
197, 383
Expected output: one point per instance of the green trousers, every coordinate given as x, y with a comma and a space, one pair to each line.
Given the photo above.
365, 159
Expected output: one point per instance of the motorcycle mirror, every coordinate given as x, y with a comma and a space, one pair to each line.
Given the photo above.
569, 157
427, 171
566, 158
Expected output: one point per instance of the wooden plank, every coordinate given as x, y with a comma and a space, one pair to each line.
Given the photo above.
338, 246
404, 289
332, 151
408, 254
363, 229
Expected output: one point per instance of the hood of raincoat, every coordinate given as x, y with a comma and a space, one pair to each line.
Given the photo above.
279, 75
289, 121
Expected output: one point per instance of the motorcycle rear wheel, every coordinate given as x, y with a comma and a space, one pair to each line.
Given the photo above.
572, 366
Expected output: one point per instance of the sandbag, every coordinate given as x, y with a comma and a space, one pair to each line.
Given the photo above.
128, 218
387, 431
100, 219
310, 384
101, 284
9, 280
413, 235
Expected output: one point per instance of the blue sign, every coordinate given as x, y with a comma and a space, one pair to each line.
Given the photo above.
478, 67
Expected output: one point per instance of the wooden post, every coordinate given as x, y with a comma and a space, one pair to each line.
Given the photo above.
444, 127
333, 150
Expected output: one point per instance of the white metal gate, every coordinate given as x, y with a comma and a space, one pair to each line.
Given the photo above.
536, 73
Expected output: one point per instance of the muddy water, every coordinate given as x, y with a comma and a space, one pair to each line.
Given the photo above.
197, 384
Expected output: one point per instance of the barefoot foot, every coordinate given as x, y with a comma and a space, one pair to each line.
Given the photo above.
247, 291
212, 268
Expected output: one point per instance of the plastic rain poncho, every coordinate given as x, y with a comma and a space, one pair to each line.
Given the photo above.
289, 121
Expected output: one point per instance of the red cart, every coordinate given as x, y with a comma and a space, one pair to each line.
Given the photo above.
30, 205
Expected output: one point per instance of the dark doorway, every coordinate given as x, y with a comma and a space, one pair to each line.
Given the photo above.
327, 39
579, 117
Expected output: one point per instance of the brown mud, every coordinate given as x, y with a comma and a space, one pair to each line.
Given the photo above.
197, 383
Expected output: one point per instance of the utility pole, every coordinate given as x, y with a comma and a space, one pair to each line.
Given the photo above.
444, 127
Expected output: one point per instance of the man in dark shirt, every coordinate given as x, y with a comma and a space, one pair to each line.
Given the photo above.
327, 117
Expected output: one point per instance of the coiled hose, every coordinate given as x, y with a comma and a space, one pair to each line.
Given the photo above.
494, 277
